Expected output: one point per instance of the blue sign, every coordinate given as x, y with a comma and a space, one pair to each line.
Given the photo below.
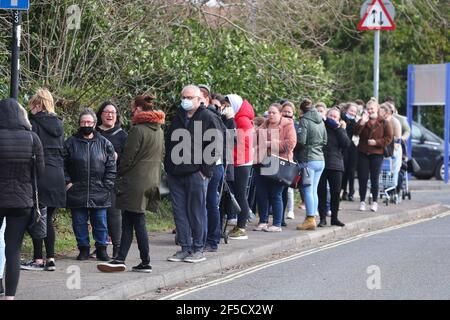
15, 4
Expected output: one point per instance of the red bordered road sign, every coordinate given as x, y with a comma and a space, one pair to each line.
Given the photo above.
376, 18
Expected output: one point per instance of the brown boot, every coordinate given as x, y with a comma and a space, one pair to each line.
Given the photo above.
308, 224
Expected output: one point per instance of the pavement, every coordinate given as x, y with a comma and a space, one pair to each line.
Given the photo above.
81, 280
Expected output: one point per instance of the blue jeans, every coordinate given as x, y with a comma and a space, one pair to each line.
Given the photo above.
311, 197
269, 193
188, 197
212, 207
97, 217
2, 248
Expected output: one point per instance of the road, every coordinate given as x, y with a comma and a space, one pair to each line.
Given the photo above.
410, 262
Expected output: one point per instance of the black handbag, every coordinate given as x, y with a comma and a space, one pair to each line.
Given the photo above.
412, 165
228, 202
37, 226
279, 169
305, 175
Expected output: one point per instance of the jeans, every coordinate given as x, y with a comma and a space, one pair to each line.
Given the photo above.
17, 221
212, 207
311, 198
269, 193
49, 240
97, 218
369, 164
136, 221
2, 248
188, 197
397, 163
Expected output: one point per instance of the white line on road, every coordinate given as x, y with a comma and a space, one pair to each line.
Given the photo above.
256, 268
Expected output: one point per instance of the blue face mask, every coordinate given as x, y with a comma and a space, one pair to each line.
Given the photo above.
333, 124
350, 117
187, 104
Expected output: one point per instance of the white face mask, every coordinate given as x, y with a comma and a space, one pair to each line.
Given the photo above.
187, 104
373, 115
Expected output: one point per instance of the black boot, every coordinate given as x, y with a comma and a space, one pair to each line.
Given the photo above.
323, 220
2, 291
335, 221
116, 249
344, 196
84, 253
102, 255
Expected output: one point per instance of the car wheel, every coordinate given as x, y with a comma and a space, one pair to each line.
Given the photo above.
439, 172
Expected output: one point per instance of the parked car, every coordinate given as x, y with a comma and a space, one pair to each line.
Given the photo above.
428, 150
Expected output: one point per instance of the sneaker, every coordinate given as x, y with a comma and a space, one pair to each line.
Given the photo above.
232, 222
251, 216
50, 265
32, 266
208, 248
195, 257
237, 234
142, 268
374, 207
290, 215
362, 206
179, 256
272, 229
112, 266
302, 206
260, 227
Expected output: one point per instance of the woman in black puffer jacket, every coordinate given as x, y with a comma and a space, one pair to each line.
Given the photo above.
18, 144
338, 141
90, 170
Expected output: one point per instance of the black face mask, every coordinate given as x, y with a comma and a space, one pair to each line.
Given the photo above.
86, 130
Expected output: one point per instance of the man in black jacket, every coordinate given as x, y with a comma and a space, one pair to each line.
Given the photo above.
189, 169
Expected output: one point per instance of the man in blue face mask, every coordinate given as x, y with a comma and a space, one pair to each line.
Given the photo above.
189, 168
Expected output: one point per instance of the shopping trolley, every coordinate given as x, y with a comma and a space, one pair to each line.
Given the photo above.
387, 184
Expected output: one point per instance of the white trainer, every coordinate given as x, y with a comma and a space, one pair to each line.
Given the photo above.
362, 206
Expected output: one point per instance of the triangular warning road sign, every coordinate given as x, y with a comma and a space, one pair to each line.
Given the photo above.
376, 18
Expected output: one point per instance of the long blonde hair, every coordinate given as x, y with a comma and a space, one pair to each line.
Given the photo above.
44, 99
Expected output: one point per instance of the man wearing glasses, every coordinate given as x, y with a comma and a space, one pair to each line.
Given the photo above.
189, 168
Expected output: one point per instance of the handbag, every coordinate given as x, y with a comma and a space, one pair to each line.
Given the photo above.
228, 202
305, 176
37, 226
285, 173
412, 165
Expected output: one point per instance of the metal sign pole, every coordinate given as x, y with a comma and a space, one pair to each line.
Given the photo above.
15, 54
376, 65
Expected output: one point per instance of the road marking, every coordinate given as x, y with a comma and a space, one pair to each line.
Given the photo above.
265, 265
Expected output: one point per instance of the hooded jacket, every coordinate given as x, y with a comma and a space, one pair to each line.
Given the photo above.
379, 130
51, 184
90, 166
243, 118
311, 137
17, 146
139, 171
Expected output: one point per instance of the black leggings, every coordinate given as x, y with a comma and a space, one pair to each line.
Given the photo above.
16, 224
114, 218
241, 176
334, 178
49, 240
369, 164
136, 221
350, 163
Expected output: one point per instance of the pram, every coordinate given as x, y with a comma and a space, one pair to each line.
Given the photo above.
403, 182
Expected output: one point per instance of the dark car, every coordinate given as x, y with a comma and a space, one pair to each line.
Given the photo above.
428, 151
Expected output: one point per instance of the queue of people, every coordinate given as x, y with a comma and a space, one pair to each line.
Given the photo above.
109, 178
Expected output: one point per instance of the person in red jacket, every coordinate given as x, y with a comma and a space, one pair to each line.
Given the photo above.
243, 159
